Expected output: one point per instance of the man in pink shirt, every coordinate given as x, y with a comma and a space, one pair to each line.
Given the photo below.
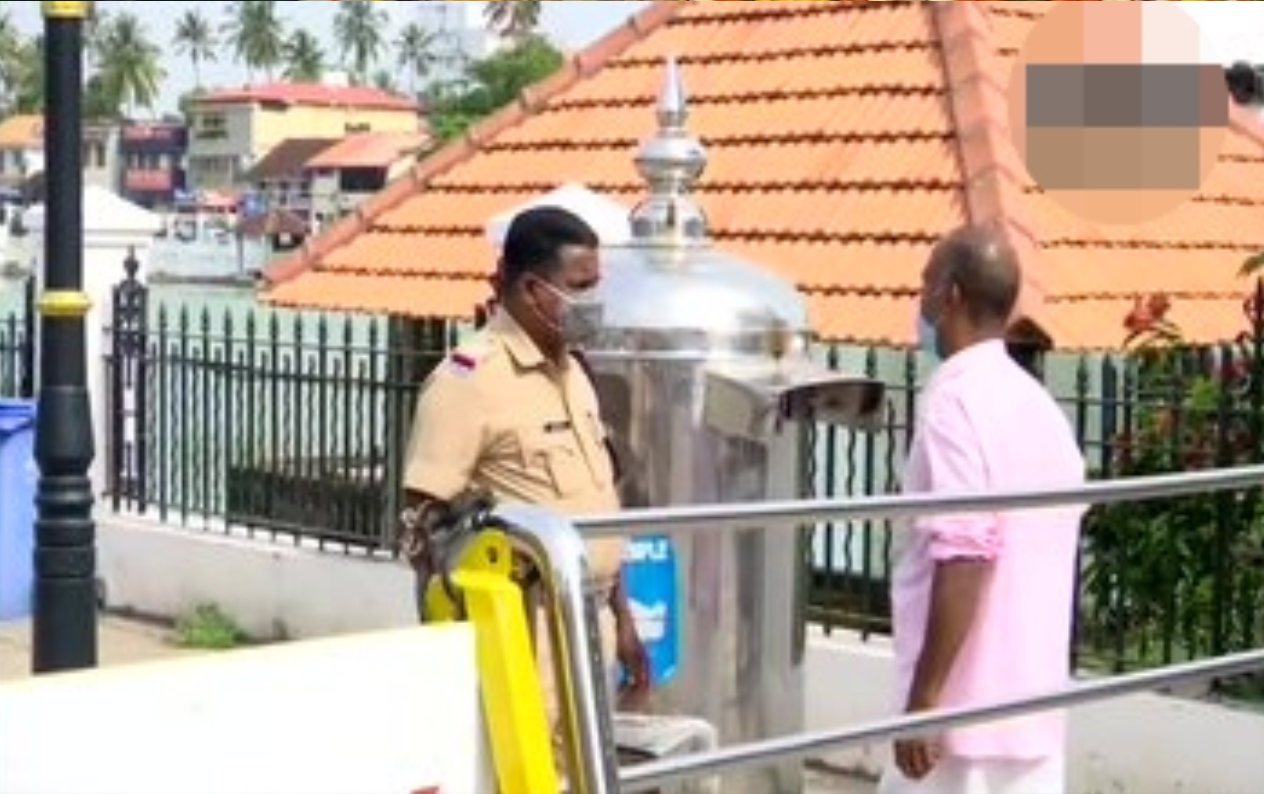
983, 602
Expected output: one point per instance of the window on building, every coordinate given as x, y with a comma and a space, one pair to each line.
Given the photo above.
362, 180
353, 128
211, 126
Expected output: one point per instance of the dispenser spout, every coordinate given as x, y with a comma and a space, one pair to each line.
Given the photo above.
754, 401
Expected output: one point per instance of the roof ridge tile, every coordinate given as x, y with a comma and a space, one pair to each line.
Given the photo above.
592, 58
991, 171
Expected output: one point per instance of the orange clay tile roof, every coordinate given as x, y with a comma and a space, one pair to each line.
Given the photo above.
310, 94
22, 132
843, 139
369, 150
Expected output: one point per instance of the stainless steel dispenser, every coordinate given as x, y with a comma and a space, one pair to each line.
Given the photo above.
706, 381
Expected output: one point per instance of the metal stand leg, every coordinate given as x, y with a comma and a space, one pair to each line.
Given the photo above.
477, 552
513, 705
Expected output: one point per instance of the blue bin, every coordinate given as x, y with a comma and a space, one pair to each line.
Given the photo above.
18, 479
649, 573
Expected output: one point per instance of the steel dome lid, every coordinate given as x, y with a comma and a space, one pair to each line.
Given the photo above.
670, 277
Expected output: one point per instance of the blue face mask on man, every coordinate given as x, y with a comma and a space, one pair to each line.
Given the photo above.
927, 336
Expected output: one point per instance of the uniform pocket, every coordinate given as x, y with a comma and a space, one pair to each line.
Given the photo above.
556, 460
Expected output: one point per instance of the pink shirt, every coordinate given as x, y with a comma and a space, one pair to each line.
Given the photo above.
985, 424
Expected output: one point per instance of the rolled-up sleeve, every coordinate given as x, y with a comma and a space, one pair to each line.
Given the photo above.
954, 464
447, 438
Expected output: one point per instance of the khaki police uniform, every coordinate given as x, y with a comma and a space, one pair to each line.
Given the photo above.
497, 414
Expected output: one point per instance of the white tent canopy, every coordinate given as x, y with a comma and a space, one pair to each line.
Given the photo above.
609, 218
104, 212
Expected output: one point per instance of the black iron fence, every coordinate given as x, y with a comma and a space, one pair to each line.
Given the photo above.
1177, 579
294, 425
278, 423
17, 348
1161, 581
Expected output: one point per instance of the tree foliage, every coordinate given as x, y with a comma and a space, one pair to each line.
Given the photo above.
1181, 578
491, 84
125, 67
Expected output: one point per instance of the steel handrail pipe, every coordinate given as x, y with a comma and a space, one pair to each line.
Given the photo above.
551, 545
655, 774
729, 517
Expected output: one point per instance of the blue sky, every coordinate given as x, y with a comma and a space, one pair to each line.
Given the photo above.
572, 24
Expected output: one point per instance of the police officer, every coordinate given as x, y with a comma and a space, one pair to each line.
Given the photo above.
513, 411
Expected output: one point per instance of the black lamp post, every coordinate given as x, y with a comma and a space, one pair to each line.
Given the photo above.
65, 633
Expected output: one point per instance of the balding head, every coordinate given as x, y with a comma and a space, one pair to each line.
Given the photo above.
975, 268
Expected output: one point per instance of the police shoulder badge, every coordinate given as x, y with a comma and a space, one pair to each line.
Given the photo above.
466, 358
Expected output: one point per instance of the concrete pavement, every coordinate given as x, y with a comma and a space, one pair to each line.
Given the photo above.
118, 642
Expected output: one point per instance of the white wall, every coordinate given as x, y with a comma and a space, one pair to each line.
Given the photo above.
277, 720
1138, 744
1141, 744
270, 590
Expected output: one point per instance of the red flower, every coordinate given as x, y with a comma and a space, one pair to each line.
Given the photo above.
1147, 313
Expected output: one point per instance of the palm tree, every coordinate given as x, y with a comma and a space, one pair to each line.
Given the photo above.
131, 72
358, 27
27, 87
304, 58
257, 35
416, 53
96, 30
513, 19
195, 37
10, 61
383, 80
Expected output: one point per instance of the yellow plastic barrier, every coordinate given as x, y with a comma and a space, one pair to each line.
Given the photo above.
513, 704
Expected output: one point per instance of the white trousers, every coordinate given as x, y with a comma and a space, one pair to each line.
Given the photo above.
954, 775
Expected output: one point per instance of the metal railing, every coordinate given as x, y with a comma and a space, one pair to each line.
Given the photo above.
652, 775
554, 545
286, 426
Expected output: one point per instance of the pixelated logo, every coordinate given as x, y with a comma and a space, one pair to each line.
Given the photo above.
1115, 113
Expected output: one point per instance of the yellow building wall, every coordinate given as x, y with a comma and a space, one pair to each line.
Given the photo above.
271, 127
245, 133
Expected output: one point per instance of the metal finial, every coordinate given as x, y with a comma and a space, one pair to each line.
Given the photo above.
673, 110
670, 162
131, 265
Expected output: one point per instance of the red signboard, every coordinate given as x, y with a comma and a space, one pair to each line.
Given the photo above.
150, 132
148, 180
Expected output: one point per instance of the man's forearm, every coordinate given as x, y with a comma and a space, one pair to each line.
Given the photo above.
954, 604
618, 600
415, 524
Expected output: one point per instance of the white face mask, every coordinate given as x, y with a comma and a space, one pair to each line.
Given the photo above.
583, 315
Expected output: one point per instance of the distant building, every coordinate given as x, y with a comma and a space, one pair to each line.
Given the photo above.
347, 173
152, 162
281, 180
461, 36
231, 130
100, 156
21, 151
22, 154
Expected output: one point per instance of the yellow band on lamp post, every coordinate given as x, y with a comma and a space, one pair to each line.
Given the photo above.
64, 303
65, 10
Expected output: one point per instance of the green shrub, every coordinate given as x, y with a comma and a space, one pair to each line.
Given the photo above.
208, 628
